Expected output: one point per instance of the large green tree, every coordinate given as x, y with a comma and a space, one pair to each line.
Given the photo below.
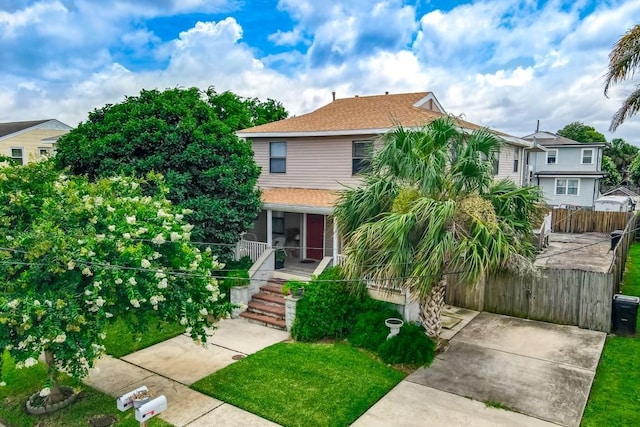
188, 136
624, 62
580, 132
429, 208
614, 177
74, 254
621, 154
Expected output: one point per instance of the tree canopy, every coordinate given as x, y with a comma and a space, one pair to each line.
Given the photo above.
428, 208
187, 136
613, 175
74, 254
624, 63
580, 132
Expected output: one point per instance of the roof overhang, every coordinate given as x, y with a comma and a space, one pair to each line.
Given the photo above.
241, 134
353, 132
570, 174
297, 208
299, 200
578, 145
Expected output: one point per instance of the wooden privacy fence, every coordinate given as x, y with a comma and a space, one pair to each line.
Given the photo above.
581, 221
563, 296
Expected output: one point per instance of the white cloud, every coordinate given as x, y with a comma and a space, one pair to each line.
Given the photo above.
28, 17
498, 64
287, 38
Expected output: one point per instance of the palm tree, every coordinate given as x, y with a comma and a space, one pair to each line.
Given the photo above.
429, 208
624, 62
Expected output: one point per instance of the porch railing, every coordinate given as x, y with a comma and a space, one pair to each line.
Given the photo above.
340, 260
251, 249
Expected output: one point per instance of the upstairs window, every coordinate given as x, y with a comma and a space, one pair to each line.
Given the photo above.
587, 156
17, 154
552, 157
361, 157
496, 166
278, 157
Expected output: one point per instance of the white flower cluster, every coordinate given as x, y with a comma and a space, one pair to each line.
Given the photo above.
60, 338
155, 299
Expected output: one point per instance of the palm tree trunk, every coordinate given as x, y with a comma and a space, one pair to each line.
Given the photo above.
431, 309
56, 392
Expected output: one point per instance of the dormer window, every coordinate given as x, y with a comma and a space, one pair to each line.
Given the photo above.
552, 157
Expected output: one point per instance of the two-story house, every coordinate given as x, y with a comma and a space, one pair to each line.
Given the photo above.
568, 172
306, 158
31, 140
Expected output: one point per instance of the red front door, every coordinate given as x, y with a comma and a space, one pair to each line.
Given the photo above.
315, 236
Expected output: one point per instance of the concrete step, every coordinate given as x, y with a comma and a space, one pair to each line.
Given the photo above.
272, 310
264, 320
269, 298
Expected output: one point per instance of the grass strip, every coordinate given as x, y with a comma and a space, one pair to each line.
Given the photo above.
614, 399
296, 384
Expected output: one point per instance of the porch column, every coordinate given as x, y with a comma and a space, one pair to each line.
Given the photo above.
270, 227
335, 241
304, 236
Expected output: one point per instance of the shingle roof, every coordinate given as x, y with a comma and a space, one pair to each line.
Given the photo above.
13, 127
300, 197
550, 139
361, 113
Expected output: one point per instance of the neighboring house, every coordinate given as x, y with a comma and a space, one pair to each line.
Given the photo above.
568, 172
305, 159
32, 140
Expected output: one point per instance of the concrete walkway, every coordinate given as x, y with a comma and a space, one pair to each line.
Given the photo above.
171, 366
540, 371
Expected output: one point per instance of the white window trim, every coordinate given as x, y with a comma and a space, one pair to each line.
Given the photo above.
279, 157
49, 151
555, 187
17, 148
593, 155
547, 156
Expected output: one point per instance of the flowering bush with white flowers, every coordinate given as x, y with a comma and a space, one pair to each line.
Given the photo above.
74, 254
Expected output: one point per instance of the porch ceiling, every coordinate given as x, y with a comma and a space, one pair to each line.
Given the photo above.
300, 199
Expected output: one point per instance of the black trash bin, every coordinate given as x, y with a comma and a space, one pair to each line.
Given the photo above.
625, 314
616, 235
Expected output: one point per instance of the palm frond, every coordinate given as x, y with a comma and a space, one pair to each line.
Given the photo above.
630, 106
624, 59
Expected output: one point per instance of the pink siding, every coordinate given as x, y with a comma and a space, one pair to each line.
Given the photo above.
323, 163
509, 153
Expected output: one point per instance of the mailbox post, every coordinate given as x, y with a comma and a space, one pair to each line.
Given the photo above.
145, 412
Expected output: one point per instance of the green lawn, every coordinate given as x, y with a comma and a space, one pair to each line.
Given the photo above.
120, 341
614, 398
91, 403
297, 384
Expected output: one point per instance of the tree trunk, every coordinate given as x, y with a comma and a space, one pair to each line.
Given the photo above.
56, 392
431, 308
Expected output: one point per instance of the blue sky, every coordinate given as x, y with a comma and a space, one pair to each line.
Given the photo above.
500, 63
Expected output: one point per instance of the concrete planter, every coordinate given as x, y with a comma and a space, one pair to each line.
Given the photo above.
239, 296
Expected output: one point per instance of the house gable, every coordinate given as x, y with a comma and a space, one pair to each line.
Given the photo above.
30, 140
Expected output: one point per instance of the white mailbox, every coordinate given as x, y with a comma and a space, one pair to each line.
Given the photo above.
151, 409
125, 401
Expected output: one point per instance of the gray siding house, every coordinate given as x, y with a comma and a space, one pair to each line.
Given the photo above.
567, 171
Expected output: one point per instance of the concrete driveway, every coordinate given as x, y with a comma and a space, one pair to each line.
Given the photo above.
542, 373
